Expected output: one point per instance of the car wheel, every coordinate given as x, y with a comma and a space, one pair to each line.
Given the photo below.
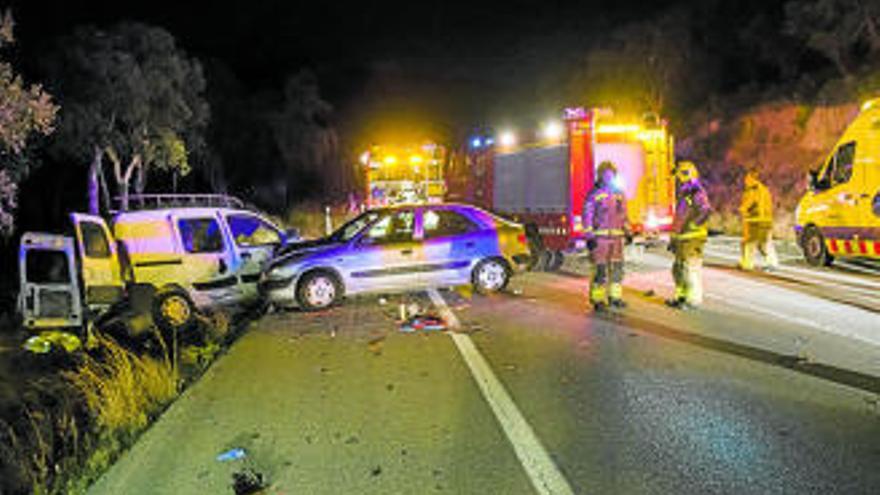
815, 250
490, 276
173, 311
317, 290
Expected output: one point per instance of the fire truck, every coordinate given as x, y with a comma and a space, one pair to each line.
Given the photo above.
404, 174
543, 182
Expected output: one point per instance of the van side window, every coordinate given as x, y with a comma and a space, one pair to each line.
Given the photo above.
843, 163
251, 231
200, 235
95, 241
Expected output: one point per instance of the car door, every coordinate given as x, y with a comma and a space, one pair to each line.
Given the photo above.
387, 255
207, 259
255, 239
866, 178
48, 289
100, 269
839, 182
451, 246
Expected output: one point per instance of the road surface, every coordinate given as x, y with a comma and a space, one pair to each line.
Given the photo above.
770, 388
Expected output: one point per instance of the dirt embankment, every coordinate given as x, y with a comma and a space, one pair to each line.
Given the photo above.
784, 140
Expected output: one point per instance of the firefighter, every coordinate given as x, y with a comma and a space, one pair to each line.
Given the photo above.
605, 227
757, 216
688, 237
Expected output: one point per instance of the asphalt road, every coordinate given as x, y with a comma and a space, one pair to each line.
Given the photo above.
722, 400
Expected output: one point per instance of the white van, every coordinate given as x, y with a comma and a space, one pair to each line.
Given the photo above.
193, 257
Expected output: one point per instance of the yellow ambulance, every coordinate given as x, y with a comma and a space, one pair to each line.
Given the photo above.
840, 214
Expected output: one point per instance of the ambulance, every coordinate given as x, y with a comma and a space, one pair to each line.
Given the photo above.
839, 217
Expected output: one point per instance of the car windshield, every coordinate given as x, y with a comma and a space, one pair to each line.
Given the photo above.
354, 226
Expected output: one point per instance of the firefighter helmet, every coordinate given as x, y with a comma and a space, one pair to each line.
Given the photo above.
605, 166
686, 171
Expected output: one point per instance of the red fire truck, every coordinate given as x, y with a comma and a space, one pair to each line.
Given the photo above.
543, 183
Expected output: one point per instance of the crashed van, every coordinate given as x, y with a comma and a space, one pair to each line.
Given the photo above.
187, 258
839, 216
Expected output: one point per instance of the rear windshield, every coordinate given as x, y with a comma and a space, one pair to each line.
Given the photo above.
46, 267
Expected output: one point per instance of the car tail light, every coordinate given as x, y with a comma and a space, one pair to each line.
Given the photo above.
521, 238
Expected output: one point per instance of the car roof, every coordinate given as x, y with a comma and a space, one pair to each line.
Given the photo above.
163, 213
405, 206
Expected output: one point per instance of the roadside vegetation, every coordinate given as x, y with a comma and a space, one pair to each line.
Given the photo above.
68, 417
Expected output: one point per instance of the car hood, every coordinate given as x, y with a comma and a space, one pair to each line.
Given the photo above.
299, 250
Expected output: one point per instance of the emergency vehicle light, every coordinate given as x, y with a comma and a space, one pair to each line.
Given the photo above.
617, 128
552, 131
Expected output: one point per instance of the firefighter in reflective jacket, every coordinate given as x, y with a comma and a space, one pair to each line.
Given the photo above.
605, 227
688, 237
757, 216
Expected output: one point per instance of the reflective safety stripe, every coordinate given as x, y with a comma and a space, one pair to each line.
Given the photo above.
616, 291
694, 234
859, 247
609, 232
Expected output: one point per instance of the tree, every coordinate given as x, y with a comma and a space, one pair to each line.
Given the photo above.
24, 111
308, 143
831, 27
132, 96
644, 66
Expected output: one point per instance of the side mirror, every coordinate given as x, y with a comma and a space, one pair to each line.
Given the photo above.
812, 179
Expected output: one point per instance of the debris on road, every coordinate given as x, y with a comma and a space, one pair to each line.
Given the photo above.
423, 322
248, 482
375, 345
232, 455
45, 341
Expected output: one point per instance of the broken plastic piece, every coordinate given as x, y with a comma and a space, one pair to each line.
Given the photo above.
43, 343
423, 322
232, 455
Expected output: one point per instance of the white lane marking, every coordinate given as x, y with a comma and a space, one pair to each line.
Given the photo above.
847, 282
806, 311
539, 467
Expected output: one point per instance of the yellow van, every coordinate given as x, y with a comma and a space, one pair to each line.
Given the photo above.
840, 215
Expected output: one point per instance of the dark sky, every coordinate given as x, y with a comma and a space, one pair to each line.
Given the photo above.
459, 61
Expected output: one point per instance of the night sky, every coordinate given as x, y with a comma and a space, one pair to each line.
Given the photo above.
448, 63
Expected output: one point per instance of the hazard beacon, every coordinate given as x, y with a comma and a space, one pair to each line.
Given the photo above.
542, 180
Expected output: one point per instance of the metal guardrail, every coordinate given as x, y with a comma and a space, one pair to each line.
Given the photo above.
158, 201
